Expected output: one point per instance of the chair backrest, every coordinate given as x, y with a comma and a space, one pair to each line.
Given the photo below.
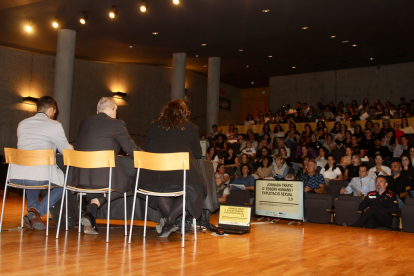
409, 201
29, 157
342, 183
89, 159
356, 199
162, 161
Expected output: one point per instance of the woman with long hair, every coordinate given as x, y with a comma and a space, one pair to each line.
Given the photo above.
280, 169
358, 132
230, 131
266, 129
278, 131
249, 120
307, 133
322, 159
331, 171
212, 156
352, 170
173, 132
379, 169
245, 159
346, 159
303, 169
230, 160
407, 167
336, 128
330, 143
264, 170
405, 126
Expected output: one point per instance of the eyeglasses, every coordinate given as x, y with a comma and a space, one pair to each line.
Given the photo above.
378, 159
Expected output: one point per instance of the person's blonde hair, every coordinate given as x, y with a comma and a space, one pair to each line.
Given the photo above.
358, 157
173, 114
280, 157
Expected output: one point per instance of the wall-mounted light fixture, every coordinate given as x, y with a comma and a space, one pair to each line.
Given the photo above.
30, 100
119, 95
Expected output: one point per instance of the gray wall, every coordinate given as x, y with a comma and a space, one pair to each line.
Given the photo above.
388, 82
148, 88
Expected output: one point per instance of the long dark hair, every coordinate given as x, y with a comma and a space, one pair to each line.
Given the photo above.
214, 155
327, 165
173, 114
275, 129
269, 161
264, 127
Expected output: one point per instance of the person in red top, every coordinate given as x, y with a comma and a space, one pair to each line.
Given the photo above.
398, 132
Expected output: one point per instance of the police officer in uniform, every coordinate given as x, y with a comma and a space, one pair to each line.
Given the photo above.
378, 207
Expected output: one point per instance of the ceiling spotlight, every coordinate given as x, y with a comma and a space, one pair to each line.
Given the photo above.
240, 50
247, 66
55, 23
270, 56
84, 18
144, 6
196, 55
28, 27
176, 2
304, 28
333, 36
131, 46
354, 45
293, 67
203, 44
114, 12
345, 41
252, 82
204, 65
265, 10
371, 58
154, 33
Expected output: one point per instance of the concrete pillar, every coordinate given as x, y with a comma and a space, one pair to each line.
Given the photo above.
178, 76
65, 58
213, 92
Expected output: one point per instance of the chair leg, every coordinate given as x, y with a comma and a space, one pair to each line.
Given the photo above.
132, 215
61, 210
2, 207
109, 215
66, 211
80, 208
183, 223
24, 198
195, 228
48, 211
125, 214
146, 210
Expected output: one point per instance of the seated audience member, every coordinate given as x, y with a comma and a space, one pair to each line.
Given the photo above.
281, 144
220, 144
36, 133
244, 179
411, 153
230, 131
336, 128
249, 120
303, 169
357, 148
261, 120
327, 114
288, 159
265, 168
331, 171
266, 142
358, 132
407, 168
340, 136
353, 169
313, 183
244, 160
352, 124
220, 134
280, 169
386, 127
230, 160
397, 131
402, 147
378, 207
103, 131
330, 143
222, 189
369, 125
346, 142
399, 184
379, 169
291, 137
367, 142
304, 151
221, 169
266, 129
278, 131
322, 159
346, 159
212, 156
215, 130
250, 138
280, 117
376, 132
258, 161
361, 185
389, 140
320, 125
258, 117
269, 117
387, 115
307, 133
314, 143
249, 150
405, 127
378, 149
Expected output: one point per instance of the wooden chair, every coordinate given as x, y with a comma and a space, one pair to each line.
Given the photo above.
44, 157
161, 162
89, 160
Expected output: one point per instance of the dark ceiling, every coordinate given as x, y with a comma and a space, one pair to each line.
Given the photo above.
381, 29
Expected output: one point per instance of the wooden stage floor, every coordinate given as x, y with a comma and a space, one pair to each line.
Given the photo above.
270, 249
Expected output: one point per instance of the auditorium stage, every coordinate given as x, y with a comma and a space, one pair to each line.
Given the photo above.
271, 249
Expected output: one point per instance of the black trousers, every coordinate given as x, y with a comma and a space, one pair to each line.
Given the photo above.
374, 217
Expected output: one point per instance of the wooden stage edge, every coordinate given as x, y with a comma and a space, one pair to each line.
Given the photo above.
270, 249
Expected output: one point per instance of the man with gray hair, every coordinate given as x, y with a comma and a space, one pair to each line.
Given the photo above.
103, 132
